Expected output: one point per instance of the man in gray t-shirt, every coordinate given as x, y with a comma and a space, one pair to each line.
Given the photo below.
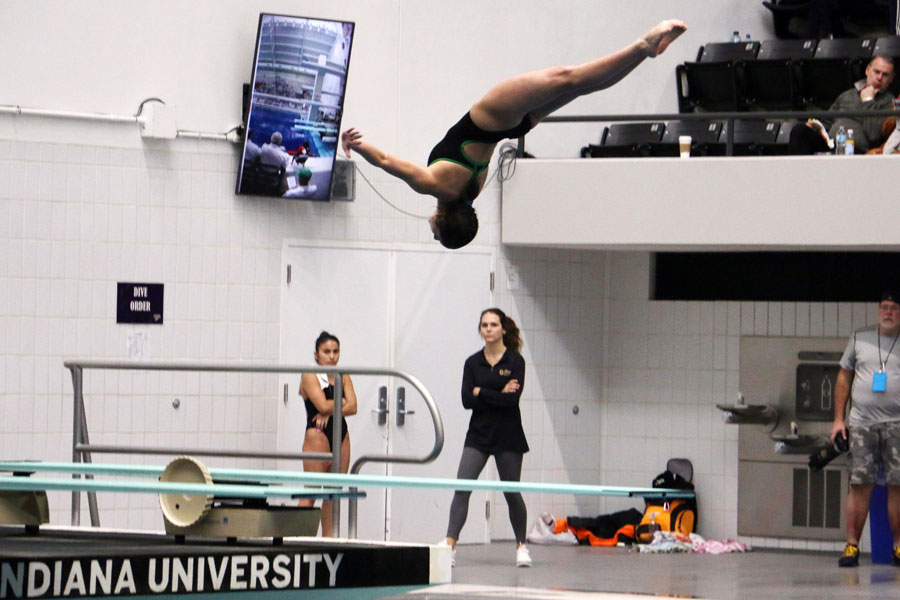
870, 374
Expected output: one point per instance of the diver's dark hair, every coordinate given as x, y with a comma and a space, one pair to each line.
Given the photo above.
512, 338
326, 337
456, 223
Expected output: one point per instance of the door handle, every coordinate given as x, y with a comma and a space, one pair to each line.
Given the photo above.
401, 407
382, 410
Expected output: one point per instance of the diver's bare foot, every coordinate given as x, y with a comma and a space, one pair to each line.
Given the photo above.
659, 38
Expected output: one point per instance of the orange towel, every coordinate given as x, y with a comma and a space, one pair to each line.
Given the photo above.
583, 535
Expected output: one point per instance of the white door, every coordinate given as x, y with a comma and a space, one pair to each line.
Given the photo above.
436, 329
412, 310
340, 291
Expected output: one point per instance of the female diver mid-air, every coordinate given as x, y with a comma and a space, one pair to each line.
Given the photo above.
457, 166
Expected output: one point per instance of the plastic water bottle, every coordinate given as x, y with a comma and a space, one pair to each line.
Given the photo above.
735, 36
748, 38
653, 526
840, 141
849, 146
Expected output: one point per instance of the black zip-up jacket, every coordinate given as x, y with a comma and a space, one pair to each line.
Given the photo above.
496, 422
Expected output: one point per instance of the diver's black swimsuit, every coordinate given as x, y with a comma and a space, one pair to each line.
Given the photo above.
453, 147
312, 412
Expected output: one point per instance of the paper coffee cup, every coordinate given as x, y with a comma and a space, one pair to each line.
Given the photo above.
684, 145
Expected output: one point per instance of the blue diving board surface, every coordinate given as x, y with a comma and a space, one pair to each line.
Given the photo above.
351, 480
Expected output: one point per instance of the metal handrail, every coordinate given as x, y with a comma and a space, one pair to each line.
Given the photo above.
82, 448
725, 115
730, 117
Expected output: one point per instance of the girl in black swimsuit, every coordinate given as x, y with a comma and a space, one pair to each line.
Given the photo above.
456, 169
317, 391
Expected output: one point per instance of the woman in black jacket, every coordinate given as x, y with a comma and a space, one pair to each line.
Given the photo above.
491, 387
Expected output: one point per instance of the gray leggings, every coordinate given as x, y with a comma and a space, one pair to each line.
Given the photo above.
509, 466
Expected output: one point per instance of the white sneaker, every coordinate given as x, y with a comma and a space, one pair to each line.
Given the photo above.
523, 557
452, 552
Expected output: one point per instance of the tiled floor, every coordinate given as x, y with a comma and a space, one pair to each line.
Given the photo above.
586, 573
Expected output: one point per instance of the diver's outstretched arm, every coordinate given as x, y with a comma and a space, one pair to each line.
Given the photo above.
413, 174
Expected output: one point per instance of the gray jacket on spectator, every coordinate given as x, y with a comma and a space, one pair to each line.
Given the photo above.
866, 131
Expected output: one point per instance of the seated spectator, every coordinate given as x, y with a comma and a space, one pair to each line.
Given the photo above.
273, 153
870, 93
251, 150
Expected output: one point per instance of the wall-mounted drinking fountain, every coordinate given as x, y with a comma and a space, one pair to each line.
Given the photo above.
793, 443
789, 385
749, 414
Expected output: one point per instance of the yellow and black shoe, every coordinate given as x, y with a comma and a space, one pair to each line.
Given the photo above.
895, 557
850, 557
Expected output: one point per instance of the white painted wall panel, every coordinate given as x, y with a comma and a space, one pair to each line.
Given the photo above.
784, 202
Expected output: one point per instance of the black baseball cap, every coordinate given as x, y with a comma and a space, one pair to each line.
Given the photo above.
891, 296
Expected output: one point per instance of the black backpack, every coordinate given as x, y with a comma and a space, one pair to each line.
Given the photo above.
677, 514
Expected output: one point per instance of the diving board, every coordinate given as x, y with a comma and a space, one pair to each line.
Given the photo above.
41, 566
31, 484
343, 479
191, 502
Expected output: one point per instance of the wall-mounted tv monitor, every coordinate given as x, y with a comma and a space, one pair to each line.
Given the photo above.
296, 101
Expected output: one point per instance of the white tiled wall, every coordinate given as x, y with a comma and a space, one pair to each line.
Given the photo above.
559, 306
74, 220
646, 376
666, 366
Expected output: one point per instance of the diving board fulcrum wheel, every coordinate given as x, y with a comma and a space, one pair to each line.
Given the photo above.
183, 510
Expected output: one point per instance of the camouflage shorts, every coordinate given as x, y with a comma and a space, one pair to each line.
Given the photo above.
872, 446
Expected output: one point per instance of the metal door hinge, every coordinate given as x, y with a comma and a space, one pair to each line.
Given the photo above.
492, 281
289, 274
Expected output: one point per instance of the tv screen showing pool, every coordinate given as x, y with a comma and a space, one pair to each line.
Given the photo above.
296, 100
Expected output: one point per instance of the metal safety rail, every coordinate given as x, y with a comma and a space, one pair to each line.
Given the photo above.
82, 447
729, 117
